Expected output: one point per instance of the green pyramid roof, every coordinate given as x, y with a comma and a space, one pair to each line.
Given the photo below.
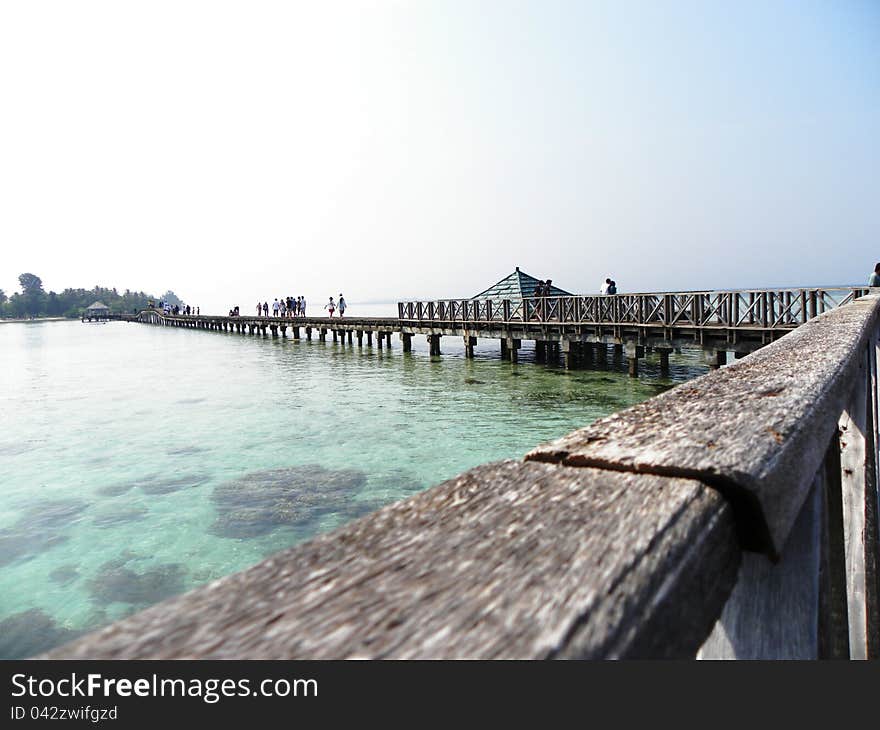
516, 286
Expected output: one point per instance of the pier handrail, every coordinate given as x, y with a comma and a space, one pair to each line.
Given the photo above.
735, 515
753, 309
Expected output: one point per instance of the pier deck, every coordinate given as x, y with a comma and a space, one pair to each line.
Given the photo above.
577, 328
735, 516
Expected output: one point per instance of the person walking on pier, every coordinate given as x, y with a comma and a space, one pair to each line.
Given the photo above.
275, 307
265, 309
259, 308
302, 306
875, 277
341, 305
330, 306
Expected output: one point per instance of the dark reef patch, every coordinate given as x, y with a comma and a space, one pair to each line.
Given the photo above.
52, 513
38, 529
474, 381
64, 574
114, 490
31, 632
400, 481
166, 486
119, 515
261, 501
114, 582
23, 545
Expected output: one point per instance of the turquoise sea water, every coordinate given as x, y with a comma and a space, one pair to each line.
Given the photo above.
137, 462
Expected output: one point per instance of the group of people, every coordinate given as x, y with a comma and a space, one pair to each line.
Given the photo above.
284, 307
332, 306
292, 307
177, 309
543, 288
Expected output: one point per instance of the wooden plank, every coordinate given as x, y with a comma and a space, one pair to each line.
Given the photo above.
509, 560
833, 614
773, 611
853, 448
756, 430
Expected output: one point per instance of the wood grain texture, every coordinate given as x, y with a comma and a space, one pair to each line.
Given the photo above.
756, 430
773, 612
509, 560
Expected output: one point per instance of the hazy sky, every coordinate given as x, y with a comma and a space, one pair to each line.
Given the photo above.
240, 150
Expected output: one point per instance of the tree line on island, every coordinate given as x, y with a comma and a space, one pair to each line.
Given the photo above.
34, 301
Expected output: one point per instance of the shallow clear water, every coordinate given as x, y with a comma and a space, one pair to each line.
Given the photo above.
137, 462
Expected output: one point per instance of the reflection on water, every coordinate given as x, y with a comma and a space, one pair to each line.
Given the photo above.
138, 462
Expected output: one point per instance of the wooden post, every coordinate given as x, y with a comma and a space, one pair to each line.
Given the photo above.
513, 346
350, 335
540, 350
406, 339
858, 486
295, 331
369, 337
388, 339
567, 354
633, 353
773, 610
833, 615
588, 351
360, 336
434, 343
715, 358
284, 330
618, 351
334, 335
379, 339
503, 349
664, 359
308, 333
469, 343
322, 334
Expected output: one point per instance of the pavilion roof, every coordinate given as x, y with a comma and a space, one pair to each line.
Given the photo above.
517, 285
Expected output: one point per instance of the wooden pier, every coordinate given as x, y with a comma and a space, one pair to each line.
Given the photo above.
734, 516
110, 317
577, 329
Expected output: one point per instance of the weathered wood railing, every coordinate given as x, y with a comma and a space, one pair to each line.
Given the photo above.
735, 515
752, 309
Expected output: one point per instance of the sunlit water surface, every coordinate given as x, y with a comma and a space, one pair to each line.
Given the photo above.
137, 462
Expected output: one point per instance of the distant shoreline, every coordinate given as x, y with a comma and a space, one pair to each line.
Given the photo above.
4, 320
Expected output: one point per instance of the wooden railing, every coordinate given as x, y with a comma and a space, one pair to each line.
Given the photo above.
733, 516
752, 309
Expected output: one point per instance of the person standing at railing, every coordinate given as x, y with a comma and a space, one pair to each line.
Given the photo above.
603, 290
536, 305
875, 277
